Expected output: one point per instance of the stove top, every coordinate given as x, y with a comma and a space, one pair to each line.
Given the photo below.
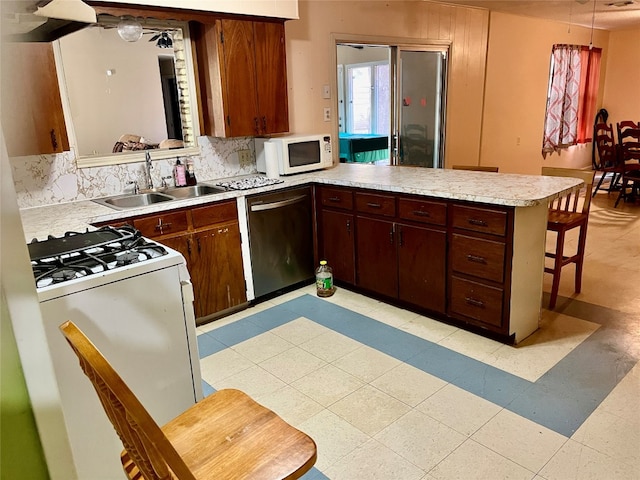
249, 182
80, 254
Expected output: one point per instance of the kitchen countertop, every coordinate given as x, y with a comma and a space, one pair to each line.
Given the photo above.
482, 187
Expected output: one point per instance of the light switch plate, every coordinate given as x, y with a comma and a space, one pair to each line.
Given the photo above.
326, 91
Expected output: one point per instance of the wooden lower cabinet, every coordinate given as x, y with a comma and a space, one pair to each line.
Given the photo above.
209, 239
339, 245
422, 267
449, 258
376, 256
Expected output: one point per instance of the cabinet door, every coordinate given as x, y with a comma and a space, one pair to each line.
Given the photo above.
377, 266
240, 87
338, 244
271, 74
217, 272
32, 117
422, 266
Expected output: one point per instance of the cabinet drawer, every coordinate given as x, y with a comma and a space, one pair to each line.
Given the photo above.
422, 211
336, 198
376, 204
216, 213
477, 301
480, 220
162, 224
478, 257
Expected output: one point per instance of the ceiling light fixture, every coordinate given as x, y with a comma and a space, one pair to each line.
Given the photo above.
130, 29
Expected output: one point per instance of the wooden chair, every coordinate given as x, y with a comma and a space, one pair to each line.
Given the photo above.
629, 152
225, 436
475, 168
607, 156
566, 213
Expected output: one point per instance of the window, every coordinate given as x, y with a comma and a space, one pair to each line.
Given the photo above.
571, 99
368, 98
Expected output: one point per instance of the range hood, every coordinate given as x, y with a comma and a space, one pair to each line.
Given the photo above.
49, 20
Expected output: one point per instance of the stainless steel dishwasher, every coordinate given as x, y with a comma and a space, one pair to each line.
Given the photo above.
280, 239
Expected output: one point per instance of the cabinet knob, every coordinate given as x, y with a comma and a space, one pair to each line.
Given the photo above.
349, 227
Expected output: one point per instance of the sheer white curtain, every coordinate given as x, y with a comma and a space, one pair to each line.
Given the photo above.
561, 118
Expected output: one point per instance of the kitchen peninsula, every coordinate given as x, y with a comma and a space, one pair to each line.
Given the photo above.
498, 218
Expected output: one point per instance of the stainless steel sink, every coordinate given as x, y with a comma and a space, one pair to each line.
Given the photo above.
134, 200
193, 191
143, 199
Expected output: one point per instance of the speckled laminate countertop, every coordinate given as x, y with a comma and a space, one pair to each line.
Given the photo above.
482, 187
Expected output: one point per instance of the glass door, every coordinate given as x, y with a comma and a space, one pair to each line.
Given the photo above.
419, 107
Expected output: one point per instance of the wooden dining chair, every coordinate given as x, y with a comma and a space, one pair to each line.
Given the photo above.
608, 161
629, 152
566, 213
475, 168
225, 436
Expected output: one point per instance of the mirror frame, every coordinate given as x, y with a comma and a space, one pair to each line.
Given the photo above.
138, 155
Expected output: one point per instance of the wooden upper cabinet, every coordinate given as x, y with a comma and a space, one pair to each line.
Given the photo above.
242, 77
32, 116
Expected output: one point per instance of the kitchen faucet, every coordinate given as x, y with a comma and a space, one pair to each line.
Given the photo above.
148, 168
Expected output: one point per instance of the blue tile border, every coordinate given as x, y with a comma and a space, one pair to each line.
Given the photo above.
561, 400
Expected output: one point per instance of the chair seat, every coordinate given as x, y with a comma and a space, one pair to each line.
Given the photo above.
229, 436
559, 219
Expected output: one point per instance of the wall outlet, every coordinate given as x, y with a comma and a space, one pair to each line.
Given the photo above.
327, 114
244, 158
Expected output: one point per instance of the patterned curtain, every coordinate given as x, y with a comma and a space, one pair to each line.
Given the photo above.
561, 118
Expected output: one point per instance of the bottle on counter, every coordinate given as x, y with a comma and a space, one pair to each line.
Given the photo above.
191, 173
179, 174
324, 280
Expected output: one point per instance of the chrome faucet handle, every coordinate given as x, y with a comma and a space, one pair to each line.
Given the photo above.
164, 181
136, 187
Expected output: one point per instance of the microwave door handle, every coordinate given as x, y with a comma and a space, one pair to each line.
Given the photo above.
283, 203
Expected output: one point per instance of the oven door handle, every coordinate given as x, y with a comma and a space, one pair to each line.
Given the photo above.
282, 203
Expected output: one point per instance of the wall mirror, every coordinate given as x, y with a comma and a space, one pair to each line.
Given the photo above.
125, 98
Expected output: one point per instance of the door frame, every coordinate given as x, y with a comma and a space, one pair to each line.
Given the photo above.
400, 42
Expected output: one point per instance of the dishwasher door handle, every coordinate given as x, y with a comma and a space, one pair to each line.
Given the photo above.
282, 203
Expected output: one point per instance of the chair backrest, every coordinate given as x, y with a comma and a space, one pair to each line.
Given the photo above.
475, 168
605, 145
144, 441
577, 200
629, 140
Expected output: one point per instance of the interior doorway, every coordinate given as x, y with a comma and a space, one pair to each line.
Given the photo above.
391, 103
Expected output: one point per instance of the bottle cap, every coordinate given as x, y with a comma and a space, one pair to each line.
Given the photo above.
323, 262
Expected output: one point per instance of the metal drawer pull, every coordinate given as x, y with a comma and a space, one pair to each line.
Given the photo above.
474, 302
334, 199
420, 213
161, 226
476, 259
349, 227
373, 205
475, 221
391, 236
258, 207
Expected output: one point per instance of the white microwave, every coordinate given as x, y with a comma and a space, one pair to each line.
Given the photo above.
293, 153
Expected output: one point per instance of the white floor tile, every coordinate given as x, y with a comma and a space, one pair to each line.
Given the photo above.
520, 440
292, 405
369, 410
327, 384
472, 461
577, 461
330, 346
408, 384
459, 409
420, 439
222, 364
334, 436
292, 364
299, 331
373, 461
366, 363
261, 347
254, 381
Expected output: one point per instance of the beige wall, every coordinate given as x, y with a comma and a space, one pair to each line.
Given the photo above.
621, 91
311, 59
516, 92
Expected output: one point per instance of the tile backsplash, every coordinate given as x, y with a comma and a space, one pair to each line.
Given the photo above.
49, 179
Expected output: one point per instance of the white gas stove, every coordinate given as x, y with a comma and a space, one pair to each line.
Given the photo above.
133, 298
